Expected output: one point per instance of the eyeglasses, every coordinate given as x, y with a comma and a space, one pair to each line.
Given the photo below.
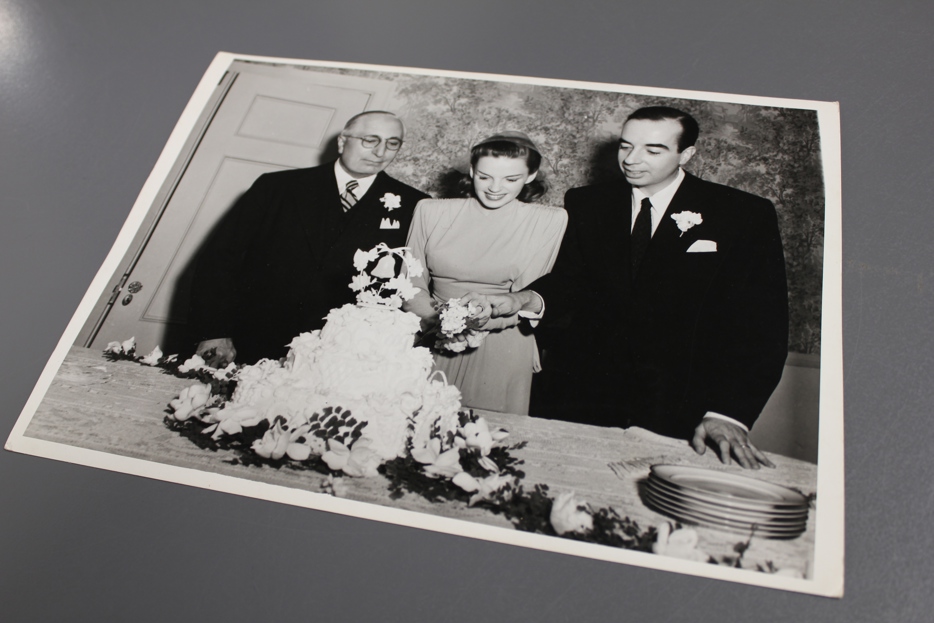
372, 142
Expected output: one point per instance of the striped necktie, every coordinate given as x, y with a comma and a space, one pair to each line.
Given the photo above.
348, 199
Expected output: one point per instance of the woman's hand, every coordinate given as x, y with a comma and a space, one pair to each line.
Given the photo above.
425, 308
479, 318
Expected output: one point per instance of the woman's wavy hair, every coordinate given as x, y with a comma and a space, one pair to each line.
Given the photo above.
507, 149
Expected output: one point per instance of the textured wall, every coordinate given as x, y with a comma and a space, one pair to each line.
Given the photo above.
771, 152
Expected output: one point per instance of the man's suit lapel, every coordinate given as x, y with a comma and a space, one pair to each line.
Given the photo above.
369, 205
611, 233
668, 243
320, 208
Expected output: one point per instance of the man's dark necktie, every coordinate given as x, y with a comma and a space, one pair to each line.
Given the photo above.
641, 235
348, 199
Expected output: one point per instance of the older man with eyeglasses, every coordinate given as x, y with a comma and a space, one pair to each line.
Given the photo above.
283, 255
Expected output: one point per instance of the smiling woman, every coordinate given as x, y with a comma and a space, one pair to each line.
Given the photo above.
498, 181
492, 242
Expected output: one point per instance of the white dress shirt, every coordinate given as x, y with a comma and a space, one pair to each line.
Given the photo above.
660, 201
363, 183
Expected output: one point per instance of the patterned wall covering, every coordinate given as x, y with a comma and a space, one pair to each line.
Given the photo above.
771, 152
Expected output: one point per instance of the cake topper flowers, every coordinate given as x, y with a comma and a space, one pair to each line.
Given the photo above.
384, 275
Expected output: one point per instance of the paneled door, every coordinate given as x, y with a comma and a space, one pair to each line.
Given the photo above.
261, 119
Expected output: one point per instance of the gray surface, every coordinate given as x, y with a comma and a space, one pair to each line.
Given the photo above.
89, 92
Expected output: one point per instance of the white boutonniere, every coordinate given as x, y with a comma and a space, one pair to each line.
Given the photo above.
687, 220
391, 201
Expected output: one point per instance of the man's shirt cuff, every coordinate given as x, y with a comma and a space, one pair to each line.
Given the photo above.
725, 418
534, 317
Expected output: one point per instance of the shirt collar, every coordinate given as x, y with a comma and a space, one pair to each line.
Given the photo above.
662, 198
363, 183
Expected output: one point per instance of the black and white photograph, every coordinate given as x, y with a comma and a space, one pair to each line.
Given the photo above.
591, 319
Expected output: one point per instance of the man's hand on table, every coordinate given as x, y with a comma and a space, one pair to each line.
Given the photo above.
217, 353
728, 438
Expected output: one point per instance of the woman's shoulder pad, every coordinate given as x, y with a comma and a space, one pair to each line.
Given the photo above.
429, 202
546, 210
545, 206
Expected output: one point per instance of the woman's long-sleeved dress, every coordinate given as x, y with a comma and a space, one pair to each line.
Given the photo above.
467, 247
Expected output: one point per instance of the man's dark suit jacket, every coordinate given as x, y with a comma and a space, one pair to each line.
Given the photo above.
282, 257
693, 332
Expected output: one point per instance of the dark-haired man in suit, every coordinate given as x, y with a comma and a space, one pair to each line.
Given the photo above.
283, 256
668, 299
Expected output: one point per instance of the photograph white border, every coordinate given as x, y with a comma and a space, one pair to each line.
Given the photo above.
829, 535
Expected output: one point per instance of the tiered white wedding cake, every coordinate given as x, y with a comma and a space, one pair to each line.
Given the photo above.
363, 361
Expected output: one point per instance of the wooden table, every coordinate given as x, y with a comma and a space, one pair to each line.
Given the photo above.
118, 408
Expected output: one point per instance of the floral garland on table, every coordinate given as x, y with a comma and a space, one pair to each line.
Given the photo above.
465, 462
220, 381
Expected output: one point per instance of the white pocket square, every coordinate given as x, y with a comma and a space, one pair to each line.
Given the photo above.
703, 246
388, 223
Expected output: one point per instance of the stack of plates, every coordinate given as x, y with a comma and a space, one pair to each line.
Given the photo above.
727, 501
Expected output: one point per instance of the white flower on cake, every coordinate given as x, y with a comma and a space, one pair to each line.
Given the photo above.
413, 267
570, 515
361, 258
680, 543
403, 286
687, 220
391, 201
359, 282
